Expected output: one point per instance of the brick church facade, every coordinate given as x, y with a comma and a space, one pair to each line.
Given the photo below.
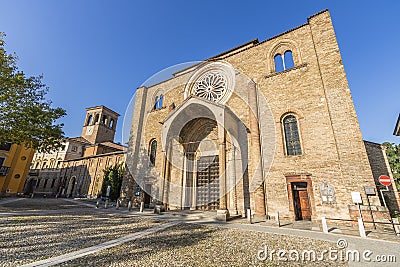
268, 126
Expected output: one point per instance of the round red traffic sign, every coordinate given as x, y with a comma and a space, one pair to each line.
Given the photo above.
385, 180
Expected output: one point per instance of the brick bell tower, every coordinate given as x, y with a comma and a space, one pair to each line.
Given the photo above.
100, 124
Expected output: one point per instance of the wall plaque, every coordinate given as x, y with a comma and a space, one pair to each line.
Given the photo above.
327, 193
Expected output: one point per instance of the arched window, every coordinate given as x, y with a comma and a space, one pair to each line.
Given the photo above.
104, 121
292, 137
284, 62
160, 101
153, 152
279, 63
44, 165
52, 163
156, 103
59, 163
96, 119
89, 120
288, 63
111, 123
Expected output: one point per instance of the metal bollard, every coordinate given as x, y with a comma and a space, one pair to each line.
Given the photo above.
106, 204
98, 204
129, 205
117, 205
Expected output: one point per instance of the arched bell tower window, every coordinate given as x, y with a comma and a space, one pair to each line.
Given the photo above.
153, 152
291, 134
89, 120
111, 123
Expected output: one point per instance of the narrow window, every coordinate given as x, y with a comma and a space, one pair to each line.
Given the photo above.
288, 56
37, 183
292, 137
104, 119
59, 163
96, 119
279, 63
52, 183
156, 103
153, 151
37, 165
111, 123
2, 161
160, 101
89, 121
45, 183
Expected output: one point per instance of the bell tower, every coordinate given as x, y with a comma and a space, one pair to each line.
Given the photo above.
99, 125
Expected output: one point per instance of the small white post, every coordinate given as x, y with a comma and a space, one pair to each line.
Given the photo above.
129, 205
324, 225
249, 215
361, 228
117, 205
141, 206
106, 204
277, 219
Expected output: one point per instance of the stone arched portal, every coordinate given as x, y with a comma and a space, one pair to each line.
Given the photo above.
206, 148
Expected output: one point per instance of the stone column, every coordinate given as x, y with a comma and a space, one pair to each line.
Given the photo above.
163, 175
183, 182
167, 174
232, 177
194, 180
222, 213
257, 183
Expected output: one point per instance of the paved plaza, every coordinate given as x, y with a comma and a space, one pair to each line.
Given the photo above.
65, 232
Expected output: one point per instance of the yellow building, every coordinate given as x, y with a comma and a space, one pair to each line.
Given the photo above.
15, 161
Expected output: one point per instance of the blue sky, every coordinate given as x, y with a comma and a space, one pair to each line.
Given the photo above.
97, 52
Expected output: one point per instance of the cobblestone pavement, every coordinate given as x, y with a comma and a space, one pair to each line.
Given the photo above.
28, 238
197, 245
37, 229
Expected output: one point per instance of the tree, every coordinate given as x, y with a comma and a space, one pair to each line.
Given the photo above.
26, 116
393, 155
113, 177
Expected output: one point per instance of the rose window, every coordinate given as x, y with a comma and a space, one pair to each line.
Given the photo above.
211, 86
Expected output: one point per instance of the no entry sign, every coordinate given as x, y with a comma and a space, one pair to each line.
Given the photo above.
385, 180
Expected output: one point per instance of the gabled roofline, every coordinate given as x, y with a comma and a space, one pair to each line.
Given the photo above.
241, 48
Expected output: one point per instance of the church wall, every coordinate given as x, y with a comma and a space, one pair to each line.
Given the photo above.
316, 91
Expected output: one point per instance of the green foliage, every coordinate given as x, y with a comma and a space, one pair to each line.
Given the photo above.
26, 116
393, 155
113, 176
